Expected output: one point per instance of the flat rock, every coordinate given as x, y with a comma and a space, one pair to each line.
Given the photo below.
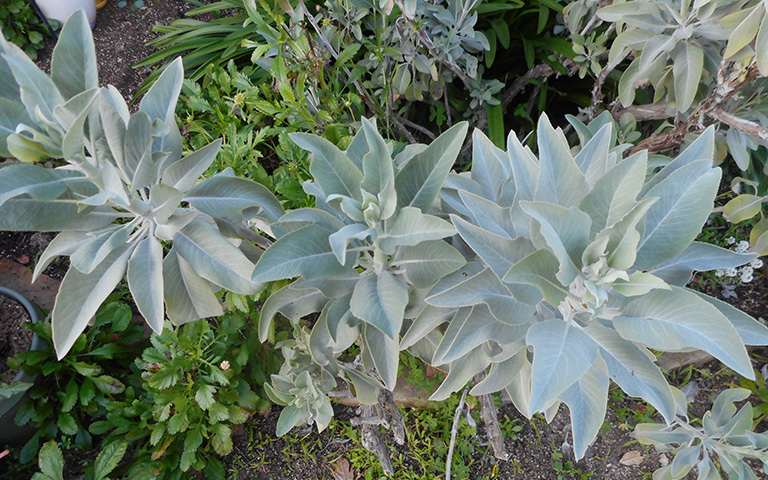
18, 277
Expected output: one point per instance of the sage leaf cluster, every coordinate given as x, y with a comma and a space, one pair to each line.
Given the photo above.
121, 193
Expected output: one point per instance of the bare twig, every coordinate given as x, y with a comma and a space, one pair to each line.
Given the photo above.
708, 111
646, 112
740, 124
535, 74
407, 123
454, 431
392, 415
597, 90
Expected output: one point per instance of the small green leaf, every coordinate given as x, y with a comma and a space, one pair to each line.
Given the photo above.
108, 459
67, 424
743, 207
51, 461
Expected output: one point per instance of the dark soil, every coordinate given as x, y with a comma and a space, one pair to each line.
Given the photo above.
14, 338
121, 36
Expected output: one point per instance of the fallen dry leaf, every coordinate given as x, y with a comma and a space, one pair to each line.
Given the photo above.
343, 471
632, 458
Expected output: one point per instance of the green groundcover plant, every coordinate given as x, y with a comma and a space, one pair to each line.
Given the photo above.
553, 273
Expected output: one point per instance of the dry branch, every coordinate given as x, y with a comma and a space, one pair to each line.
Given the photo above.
708, 111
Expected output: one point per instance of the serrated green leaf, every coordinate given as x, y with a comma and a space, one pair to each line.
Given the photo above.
108, 459
51, 461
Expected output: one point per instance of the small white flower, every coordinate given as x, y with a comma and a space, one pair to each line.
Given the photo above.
742, 247
730, 272
746, 278
756, 263
224, 365
720, 272
730, 240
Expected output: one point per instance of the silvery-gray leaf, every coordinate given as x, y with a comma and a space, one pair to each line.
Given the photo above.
160, 103
384, 353
560, 180
673, 320
214, 258
188, 297
586, 400
426, 263
145, 281
81, 295
419, 181
501, 374
461, 371
304, 252
332, 170
562, 353
221, 196
73, 66
380, 300
632, 370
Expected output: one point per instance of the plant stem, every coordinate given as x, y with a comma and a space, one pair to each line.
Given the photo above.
454, 430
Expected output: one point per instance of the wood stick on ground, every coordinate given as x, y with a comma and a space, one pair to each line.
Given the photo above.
490, 418
392, 415
454, 431
371, 438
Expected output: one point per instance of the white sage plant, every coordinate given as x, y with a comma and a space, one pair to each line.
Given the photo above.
122, 192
